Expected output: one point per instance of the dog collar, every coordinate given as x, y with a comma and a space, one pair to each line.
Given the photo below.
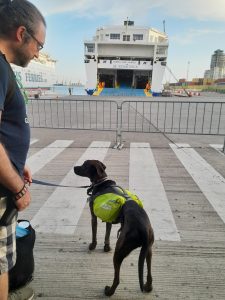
93, 185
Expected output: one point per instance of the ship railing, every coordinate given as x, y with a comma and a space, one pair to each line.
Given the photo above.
155, 116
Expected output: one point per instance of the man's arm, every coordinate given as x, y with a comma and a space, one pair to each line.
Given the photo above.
10, 179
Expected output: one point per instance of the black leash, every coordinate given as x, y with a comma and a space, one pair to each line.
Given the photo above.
58, 185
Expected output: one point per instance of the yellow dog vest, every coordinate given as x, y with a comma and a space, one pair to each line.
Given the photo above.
107, 206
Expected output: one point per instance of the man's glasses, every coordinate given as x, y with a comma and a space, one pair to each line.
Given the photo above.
40, 46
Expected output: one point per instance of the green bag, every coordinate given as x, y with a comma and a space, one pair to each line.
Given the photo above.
107, 206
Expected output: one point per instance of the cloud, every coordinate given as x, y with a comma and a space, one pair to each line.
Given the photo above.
205, 10
192, 34
116, 10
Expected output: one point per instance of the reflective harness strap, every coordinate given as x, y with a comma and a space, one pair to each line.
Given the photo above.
123, 193
116, 189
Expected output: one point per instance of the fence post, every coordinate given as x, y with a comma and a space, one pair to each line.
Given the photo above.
119, 125
224, 146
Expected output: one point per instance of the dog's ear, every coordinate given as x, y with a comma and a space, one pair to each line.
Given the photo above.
100, 167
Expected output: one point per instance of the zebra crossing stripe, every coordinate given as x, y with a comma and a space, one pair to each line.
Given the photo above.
217, 147
32, 141
38, 160
61, 212
145, 181
210, 182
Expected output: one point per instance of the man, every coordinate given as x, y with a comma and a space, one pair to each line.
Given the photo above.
22, 36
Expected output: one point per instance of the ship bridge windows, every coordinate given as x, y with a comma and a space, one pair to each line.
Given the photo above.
126, 38
90, 48
161, 50
114, 36
137, 37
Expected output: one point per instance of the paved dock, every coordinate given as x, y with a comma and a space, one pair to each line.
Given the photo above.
182, 186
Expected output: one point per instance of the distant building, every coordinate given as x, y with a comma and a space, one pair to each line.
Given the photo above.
217, 66
197, 81
220, 81
218, 59
207, 74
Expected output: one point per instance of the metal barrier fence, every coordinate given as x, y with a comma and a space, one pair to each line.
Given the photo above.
73, 114
177, 117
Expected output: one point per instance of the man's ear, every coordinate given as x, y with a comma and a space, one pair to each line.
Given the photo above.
20, 33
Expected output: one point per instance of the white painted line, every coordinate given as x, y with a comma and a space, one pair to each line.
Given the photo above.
32, 141
145, 181
38, 160
61, 212
210, 182
217, 147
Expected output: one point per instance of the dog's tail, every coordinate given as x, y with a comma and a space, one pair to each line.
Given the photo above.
141, 261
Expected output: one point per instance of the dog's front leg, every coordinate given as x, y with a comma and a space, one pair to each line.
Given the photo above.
94, 224
107, 247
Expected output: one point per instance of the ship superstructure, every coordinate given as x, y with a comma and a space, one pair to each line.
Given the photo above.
126, 56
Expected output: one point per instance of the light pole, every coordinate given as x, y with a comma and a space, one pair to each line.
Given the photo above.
188, 66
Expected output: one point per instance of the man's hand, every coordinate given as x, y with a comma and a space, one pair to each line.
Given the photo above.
24, 201
27, 175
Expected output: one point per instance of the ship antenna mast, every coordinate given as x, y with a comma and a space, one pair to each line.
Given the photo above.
126, 25
164, 26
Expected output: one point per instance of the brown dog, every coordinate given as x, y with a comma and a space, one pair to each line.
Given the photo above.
135, 231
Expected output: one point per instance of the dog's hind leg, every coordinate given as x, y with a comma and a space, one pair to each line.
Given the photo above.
148, 284
117, 261
107, 247
122, 250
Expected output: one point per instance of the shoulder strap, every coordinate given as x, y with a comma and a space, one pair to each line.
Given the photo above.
115, 189
121, 192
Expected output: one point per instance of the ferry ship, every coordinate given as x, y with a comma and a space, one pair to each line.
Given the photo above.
39, 75
126, 56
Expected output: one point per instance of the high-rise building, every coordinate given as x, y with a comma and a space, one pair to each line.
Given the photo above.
217, 66
218, 59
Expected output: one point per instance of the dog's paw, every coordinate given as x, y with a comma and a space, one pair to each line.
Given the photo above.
107, 248
148, 287
108, 291
92, 246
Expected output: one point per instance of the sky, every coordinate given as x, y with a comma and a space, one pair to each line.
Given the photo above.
195, 29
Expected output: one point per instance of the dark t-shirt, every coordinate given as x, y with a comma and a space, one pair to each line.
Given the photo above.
14, 126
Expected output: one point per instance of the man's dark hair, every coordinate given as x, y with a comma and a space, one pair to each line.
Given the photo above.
15, 13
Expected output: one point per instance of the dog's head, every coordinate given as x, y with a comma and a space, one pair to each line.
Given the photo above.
93, 169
